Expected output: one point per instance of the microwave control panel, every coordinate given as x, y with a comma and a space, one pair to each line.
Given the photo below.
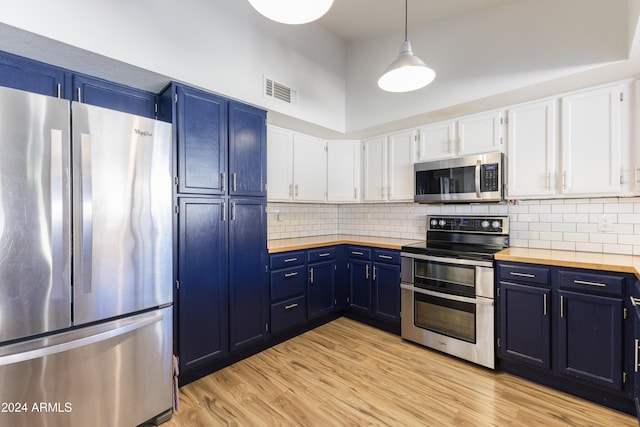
489, 177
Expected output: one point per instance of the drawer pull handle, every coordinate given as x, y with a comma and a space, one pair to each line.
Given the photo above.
544, 302
635, 301
325, 254
290, 259
291, 274
635, 367
584, 282
522, 274
290, 306
356, 253
385, 257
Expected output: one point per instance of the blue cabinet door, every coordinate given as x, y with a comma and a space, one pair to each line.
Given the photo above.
21, 73
202, 141
248, 296
102, 93
524, 322
201, 302
590, 338
320, 290
360, 285
386, 292
247, 150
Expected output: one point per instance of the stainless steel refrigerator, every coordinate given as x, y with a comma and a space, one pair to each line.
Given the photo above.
85, 264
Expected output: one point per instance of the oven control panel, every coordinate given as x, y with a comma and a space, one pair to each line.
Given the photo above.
497, 225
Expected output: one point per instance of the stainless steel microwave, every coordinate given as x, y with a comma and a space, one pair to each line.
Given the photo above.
477, 178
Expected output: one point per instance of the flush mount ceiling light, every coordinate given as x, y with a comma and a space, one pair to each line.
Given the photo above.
407, 72
292, 11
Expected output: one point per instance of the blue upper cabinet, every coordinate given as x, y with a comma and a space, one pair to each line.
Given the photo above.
247, 150
102, 93
32, 76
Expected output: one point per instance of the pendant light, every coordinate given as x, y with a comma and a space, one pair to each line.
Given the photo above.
407, 72
292, 11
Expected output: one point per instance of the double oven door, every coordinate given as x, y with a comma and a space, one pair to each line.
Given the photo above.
447, 305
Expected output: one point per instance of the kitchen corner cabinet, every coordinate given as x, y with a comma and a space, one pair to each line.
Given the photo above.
297, 166
388, 167
343, 171
202, 298
248, 297
567, 324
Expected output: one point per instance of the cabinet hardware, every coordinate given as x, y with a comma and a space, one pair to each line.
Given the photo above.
355, 194
544, 304
564, 180
59, 90
366, 271
290, 259
385, 257
223, 181
637, 175
499, 289
512, 273
176, 180
584, 282
233, 211
291, 274
296, 190
498, 342
356, 253
266, 327
175, 98
79, 94
624, 378
561, 306
224, 211
291, 190
324, 254
178, 288
234, 177
625, 313
634, 301
621, 96
635, 365
374, 273
290, 306
311, 275
177, 209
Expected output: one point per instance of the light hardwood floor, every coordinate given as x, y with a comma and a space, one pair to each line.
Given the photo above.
345, 373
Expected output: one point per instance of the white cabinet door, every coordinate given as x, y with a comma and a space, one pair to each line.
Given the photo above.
436, 141
480, 133
309, 168
375, 169
343, 171
532, 149
591, 140
400, 164
279, 164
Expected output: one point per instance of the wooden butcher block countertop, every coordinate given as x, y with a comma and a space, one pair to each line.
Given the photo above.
294, 244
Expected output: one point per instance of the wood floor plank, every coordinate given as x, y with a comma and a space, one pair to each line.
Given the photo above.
346, 373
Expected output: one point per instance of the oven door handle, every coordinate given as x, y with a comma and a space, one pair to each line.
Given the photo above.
459, 261
476, 300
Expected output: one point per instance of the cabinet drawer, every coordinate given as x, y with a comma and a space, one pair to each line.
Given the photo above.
322, 254
592, 283
358, 252
287, 259
524, 274
288, 282
288, 313
388, 256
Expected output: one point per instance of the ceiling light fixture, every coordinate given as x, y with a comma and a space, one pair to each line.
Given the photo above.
407, 72
292, 11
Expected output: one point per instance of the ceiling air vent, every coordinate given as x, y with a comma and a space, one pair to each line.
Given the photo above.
276, 90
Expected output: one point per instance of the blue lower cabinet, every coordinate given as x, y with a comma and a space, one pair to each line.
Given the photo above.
360, 285
288, 313
321, 288
385, 295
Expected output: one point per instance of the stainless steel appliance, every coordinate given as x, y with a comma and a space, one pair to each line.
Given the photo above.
477, 178
85, 264
447, 286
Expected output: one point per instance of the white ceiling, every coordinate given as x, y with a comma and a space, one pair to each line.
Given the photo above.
362, 19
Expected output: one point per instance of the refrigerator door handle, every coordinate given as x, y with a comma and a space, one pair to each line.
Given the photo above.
57, 209
144, 320
87, 212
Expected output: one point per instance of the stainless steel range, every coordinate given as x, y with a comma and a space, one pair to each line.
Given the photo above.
448, 285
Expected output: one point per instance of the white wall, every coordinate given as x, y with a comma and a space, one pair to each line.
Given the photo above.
222, 45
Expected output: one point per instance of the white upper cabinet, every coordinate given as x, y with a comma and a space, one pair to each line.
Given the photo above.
481, 133
279, 164
437, 141
591, 141
343, 171
388, 167
532, 149
296, 167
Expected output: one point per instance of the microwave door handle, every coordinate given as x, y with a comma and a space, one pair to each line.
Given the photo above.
478, 163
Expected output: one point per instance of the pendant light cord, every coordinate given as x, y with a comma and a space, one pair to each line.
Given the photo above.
406, 13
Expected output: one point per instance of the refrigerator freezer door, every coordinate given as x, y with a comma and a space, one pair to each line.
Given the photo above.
122, 213
35, 265
115, 373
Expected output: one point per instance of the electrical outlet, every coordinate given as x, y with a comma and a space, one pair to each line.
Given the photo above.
605, 223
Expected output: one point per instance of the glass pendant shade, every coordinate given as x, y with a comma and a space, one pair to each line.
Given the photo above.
406, 73
292, 11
